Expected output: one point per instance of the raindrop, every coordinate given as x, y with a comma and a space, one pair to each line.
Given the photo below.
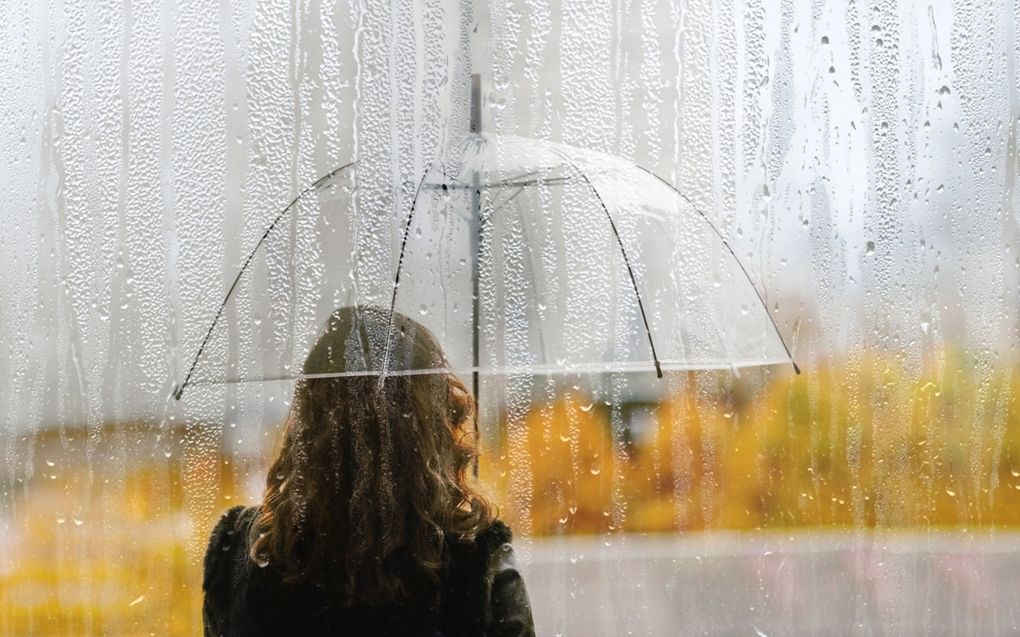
423, 310
951, 493
869, 247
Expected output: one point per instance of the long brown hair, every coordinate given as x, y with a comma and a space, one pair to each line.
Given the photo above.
372, 471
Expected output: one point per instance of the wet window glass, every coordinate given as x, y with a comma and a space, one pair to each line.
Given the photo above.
733, 285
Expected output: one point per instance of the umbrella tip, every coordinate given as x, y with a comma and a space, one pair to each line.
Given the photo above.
658, 369
796, 368
177, 392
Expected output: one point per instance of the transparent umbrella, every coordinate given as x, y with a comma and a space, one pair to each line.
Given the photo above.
519, 255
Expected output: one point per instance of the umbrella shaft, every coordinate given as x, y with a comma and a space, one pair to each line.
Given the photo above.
475, 228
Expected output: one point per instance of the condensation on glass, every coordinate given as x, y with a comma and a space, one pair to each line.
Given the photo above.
859, 160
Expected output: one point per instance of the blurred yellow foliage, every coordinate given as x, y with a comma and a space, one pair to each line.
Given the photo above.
861, 444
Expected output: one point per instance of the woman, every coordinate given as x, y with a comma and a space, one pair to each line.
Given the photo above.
370, 523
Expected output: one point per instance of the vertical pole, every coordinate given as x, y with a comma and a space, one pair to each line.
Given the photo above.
476, 103
475, 228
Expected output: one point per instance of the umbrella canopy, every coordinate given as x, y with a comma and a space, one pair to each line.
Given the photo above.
518, 255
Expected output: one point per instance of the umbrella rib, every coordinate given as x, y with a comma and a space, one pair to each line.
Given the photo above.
400, 265
507, 201
626, 261
178, 390
516, 182
531, 261
534, 275
690, 202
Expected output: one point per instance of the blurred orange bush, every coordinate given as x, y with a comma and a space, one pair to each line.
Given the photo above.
860, 444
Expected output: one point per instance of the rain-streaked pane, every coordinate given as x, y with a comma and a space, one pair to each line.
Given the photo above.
720, 180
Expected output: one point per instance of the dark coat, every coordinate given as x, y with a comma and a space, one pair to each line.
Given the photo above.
482, 594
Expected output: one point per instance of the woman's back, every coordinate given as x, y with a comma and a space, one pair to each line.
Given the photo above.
370, 523
481, 593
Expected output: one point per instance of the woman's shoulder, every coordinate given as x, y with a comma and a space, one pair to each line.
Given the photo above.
481, 545
496, 535
229, 538
231, 527
472, 568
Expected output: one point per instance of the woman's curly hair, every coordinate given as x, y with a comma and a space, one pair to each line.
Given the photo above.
373, 471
